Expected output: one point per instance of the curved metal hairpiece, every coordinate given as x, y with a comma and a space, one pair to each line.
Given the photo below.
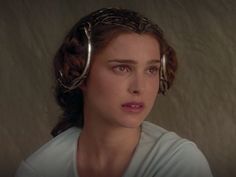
163, 76
78, 81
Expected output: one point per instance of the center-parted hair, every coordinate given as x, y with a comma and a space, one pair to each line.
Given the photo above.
69, 62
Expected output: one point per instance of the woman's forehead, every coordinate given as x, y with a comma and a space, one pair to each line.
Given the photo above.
132, 46
133, 42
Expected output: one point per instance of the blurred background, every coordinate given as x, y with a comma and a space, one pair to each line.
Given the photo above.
200, 106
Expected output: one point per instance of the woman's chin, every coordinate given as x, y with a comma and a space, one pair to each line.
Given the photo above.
131, 123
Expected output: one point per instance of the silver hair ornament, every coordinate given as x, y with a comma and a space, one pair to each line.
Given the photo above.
78, 81
163, 75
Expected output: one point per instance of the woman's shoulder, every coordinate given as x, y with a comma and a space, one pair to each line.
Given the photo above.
164, 152
154, 133
162, 140
62, 140
60, 147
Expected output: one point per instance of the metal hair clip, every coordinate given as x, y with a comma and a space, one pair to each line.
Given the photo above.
77, 81
163, 76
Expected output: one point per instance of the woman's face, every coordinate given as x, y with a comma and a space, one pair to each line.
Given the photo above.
123, 81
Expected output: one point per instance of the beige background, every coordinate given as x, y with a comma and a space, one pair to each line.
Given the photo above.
200, 106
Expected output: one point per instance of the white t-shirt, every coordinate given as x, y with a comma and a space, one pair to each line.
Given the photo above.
160, 153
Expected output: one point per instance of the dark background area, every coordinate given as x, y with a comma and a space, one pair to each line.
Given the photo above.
200, 106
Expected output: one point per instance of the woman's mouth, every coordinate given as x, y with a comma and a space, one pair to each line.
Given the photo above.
133, 107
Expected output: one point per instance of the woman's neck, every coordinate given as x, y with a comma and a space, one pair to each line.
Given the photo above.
102, 138
106, 146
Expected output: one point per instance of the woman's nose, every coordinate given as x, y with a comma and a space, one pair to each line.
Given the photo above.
136, 85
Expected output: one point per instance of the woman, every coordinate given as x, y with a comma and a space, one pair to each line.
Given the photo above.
109, 70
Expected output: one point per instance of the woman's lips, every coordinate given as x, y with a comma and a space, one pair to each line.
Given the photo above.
132, 107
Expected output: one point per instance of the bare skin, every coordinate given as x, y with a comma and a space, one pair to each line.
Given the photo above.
108, 156
125, 71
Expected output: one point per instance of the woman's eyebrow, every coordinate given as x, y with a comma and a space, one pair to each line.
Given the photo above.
130, 61
154, 61
127, 61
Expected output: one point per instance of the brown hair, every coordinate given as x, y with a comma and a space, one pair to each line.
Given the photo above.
70, 59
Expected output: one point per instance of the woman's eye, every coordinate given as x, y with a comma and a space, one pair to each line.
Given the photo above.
153, 70
121, 69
